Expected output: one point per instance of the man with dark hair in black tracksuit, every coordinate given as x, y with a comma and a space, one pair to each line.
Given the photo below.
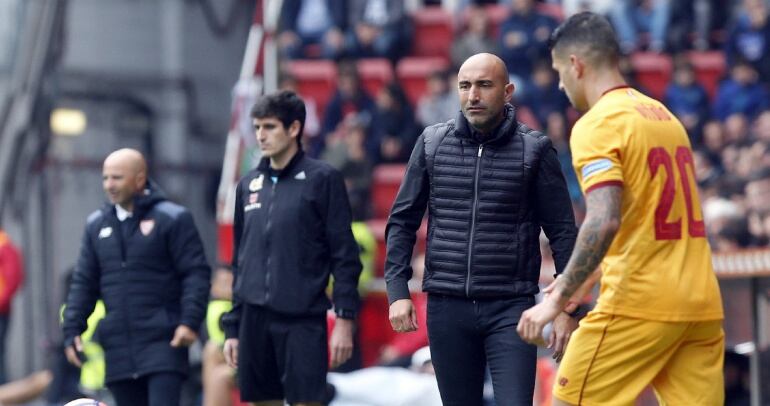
291, 231
142, 255
490, 185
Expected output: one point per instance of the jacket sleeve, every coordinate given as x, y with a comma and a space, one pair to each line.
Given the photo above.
231, 320
553, 205
190, 262
405, 218
83, 291
343, 249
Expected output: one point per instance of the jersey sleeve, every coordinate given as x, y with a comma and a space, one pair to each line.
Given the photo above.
596, 155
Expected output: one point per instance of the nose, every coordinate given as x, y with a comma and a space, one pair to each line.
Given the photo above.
474, 94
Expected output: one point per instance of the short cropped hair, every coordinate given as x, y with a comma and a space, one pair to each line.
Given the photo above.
284, 105
588, 34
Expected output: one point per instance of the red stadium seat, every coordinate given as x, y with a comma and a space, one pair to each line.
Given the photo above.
375, 73
433, 32
413, 72
315, 78
709, 69
497, 13
653, 71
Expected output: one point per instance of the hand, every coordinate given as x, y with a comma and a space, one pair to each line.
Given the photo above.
231, 352
563, 326
71, 352
533, 320
183, 337
341, 341
403, 316
572, 305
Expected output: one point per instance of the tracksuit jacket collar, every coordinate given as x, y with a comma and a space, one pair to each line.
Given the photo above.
264, 165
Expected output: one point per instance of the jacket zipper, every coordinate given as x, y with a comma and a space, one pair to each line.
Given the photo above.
473, 221
268, 226
126, 317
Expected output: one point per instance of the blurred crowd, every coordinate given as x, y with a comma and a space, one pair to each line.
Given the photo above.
729, 125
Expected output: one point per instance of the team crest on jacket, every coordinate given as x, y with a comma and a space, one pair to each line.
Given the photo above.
256, 183
146, 226
105, 232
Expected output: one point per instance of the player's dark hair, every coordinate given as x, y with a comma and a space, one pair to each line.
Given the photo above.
285, 105
588, 34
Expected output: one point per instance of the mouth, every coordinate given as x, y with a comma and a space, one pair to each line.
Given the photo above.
475, 109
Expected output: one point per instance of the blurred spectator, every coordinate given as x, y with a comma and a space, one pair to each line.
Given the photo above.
687, 99
378, 28
740, 93
557, 130
346, 151
748, 38
688, 18
349, 98
758, 191
523, 39
630, 17
707, 172
439, 103
713, 139
571, 7
475, 39
307, 23
717, 214
736, 129
544, 96
761, 127
733, 235
11, 277
393, 130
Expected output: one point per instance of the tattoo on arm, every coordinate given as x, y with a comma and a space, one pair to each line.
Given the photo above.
594, 238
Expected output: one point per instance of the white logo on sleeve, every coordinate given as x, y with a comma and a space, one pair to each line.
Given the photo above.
598, 166
105, 232
300, 176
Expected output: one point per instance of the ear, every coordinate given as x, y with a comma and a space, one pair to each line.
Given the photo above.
294, 128
577, 64
509, 89
141, 180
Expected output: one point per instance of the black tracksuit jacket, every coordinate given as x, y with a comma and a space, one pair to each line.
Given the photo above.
289, 236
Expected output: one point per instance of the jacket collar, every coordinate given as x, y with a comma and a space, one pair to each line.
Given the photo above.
501, 134
264, 164
143, 202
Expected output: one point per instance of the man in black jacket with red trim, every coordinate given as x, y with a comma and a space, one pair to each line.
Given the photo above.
490, 185
142, 255
291, 232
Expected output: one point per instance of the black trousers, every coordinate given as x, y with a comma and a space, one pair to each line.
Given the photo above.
158, 389
467, 335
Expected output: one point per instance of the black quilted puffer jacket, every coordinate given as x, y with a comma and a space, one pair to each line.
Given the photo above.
487, 199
